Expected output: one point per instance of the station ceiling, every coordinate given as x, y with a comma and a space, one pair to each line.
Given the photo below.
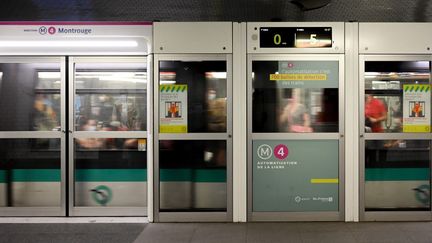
215, 10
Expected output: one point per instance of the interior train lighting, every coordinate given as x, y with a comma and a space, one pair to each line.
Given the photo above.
95, 44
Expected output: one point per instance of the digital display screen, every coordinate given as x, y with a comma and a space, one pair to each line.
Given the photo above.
295, 37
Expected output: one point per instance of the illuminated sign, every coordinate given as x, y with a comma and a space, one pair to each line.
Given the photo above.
295, 37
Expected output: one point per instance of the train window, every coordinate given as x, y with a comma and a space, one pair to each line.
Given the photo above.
397, 96
397, 175
110, 97
30, 173
30, 96
110, 172
204, 90
193, 175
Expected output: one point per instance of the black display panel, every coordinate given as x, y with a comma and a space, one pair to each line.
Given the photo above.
295, 37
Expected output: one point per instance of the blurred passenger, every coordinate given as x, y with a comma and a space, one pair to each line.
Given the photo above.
45, 118
295, 115
375, 113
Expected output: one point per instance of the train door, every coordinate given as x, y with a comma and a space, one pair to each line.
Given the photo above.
193, 122
395, 122
73, 123
295, 121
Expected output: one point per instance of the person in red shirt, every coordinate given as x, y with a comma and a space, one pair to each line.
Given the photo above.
375, 113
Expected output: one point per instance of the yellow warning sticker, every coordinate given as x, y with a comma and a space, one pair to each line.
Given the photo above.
416, 128
299, 76
173, 129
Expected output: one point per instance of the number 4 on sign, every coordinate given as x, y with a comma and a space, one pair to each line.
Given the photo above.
281, 151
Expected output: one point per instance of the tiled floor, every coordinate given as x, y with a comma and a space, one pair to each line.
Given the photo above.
218, 232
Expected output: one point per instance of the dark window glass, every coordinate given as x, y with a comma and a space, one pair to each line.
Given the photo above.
397, 175
30, 174
206, 92
30, 96
193, 175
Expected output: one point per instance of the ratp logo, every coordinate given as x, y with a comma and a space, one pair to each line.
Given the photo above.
43, 30
264, 151
51, 30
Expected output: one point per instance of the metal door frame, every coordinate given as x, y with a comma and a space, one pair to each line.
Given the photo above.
298, 216
227, 136
43, 211
103, 211
385, 215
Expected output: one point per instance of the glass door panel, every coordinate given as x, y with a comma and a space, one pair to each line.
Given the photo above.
108, 114
32, 136
395, 165
193, 141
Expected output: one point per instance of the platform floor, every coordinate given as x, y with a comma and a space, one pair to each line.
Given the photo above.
218, 232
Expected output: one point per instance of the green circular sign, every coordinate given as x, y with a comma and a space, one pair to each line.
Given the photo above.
102, 194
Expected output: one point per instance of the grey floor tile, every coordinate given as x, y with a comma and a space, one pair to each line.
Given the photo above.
162, 232
373, 226
323, 227
420, 236
226, 233
71, 228
324, 237
381, 236
69, 238
272, 232
291, 227
415, 226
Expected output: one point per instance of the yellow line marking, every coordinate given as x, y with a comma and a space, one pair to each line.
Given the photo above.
324, 180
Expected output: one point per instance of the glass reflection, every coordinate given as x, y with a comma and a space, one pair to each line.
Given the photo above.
397, 175
206, 82
384, 94
111, 100
30, 96
110, 172
290, 104
30, 174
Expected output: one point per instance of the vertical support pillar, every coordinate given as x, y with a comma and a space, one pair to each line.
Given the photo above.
150, 132
239, 123
351, 122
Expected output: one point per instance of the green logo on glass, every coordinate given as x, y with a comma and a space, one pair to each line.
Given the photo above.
102, 194
422, 194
